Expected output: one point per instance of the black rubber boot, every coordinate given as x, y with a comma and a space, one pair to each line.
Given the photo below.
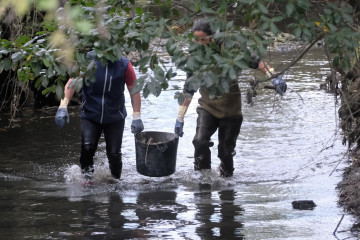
202, 163
227, 167
115, 164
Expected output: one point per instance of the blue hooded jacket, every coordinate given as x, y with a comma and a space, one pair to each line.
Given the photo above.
104, 100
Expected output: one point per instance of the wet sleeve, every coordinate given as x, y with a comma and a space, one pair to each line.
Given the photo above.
254, 62
130, 75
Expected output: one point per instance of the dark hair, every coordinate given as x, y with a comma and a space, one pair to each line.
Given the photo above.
202, 25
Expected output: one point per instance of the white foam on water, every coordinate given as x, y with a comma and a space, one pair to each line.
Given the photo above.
101, 174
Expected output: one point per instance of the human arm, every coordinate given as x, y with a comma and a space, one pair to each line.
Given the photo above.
179, 125
62, 115
137, 124
278, 82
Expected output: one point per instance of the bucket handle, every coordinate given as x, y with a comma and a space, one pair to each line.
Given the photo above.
147, 148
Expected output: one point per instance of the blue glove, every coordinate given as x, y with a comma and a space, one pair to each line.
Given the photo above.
62, 117
179, 128
137, 126
280, 85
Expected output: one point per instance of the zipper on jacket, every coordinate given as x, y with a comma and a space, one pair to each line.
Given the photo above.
103, 96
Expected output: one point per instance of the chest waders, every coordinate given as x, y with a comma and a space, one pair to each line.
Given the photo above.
222, 114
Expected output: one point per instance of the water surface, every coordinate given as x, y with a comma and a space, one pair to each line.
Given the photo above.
288, 149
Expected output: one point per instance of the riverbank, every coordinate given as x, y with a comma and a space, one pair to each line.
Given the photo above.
349, 189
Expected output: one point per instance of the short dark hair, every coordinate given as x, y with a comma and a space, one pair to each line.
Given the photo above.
202, 24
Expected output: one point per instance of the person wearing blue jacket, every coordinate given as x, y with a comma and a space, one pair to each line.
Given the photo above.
103, 111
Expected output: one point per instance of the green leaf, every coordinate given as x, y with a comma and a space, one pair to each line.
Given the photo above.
180, 97
44, 82
229, 43
193, 83
154, 61
210, 79
46, 62
263, 8
5, 64
47, 4
21, 40
232, 74
4, 52
80, 58
143, 61
159, 73
36, 67
139, 11
22, 75
289, 9
207, 10
297, 32
139, 84
59, 91
164, 85
225, 86
277, 19
78, 83
170, 74
37, 82
145, 37
274, 29
17, 56
84, 26
132, 35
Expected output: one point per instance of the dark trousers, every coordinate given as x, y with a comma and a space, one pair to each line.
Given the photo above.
90, 135
228, 131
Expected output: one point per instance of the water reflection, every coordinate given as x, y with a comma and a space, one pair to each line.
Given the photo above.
122, 223
218, 215
157, 210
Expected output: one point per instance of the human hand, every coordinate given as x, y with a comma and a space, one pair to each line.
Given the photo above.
280, 85
137, 126
179, 128
62, 117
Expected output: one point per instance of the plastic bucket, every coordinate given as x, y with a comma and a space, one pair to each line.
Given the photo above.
156, 153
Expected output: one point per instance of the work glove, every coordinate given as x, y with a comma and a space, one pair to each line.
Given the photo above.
280, 85
137, 126
179, 128
62, 117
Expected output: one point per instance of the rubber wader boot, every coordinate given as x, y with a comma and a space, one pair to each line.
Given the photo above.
115, 164
227, 168
202, 163
202, 160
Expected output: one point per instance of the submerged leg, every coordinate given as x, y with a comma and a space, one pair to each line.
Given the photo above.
206, 127
90, 134
229, 130
113, 134
115, 165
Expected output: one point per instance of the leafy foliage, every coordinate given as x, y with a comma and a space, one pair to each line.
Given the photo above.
110, 29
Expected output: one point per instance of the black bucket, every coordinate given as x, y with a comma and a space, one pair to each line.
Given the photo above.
156, 153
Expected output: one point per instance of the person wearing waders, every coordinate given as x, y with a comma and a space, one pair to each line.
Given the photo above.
103, 111
222, 114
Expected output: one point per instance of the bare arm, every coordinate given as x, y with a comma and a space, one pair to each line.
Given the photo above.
68, 94
183, 108
265, 68
186, 102
135, 99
